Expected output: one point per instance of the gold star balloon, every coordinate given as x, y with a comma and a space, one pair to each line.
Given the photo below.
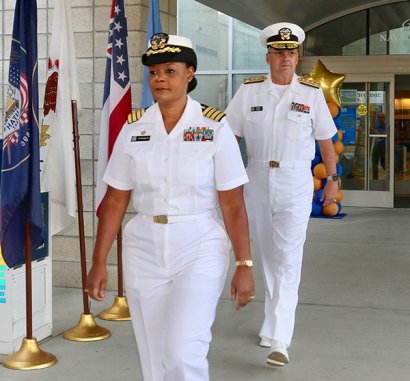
329, 82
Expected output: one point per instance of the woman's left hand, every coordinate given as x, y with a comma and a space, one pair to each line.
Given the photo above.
242, 287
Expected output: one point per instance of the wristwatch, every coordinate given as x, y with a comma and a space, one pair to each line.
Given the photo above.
333, 177
244, 262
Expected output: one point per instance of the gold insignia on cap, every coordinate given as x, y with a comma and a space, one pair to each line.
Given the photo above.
158, 41
168, 49
285, 34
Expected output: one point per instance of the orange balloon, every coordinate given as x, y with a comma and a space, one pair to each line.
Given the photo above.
340, 133
317, 183
334, 110
339, 196
338, 147
319, 171
330, 210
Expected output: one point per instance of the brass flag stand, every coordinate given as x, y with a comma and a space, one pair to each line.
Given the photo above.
119, 311
86, 329
29, 356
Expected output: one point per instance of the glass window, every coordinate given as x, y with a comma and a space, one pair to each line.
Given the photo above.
380, 30
337, 37
208, 30
248, 53
238, 79
390, 29
211, 90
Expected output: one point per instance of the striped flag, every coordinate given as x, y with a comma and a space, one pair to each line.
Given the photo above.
56, 140
20, 165
117, 93
154, 26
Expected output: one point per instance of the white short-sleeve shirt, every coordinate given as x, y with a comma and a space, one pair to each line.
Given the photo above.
177, 173
280, 127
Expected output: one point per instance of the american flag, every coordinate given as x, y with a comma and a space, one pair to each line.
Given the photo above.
12, 138
17, 103
117, 92
19, 80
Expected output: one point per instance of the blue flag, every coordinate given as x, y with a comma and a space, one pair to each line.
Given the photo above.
20, 167
154, 26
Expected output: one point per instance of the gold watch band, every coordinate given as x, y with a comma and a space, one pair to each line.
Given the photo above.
244, 262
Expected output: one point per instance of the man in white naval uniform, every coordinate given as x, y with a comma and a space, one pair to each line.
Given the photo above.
280, 117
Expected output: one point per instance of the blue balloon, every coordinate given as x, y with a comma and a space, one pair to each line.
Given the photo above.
317, 196
335, 137
339, 169
339, 206
338, 122
316, 160
317, 149
316, 209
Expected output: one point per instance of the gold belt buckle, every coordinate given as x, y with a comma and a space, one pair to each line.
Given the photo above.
160, 219
274, 164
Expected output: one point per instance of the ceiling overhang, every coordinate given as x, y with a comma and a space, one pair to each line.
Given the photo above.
261, 13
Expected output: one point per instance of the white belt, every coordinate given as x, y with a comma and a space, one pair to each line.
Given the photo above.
163, 219
279, 164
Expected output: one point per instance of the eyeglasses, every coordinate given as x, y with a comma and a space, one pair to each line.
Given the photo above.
284, 52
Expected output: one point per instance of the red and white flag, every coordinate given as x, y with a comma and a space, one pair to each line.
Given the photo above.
117, 93
57, 162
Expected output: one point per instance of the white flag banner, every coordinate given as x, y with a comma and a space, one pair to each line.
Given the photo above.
57, 162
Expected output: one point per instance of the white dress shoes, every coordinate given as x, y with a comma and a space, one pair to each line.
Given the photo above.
279, 354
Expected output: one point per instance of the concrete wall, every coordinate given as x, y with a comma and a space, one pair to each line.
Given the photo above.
90, 24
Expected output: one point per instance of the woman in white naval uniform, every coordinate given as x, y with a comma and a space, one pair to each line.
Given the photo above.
280, 116
179, 163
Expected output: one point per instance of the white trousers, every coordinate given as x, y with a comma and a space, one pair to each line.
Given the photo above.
279, 202
174, 275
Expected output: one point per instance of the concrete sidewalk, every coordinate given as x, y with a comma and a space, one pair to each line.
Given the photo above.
353, 319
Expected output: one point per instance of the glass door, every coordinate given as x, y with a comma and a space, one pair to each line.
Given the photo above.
366, 160
402, 142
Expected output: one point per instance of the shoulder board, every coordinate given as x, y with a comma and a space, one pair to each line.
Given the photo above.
305, 80
212, 113
254, 79
136, 115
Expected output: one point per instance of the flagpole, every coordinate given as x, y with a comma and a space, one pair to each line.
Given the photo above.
117, 97
86, 329
119, 264
29, 356
119, 310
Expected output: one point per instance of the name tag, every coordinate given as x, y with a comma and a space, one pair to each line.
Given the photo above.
140, 138
256, 108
